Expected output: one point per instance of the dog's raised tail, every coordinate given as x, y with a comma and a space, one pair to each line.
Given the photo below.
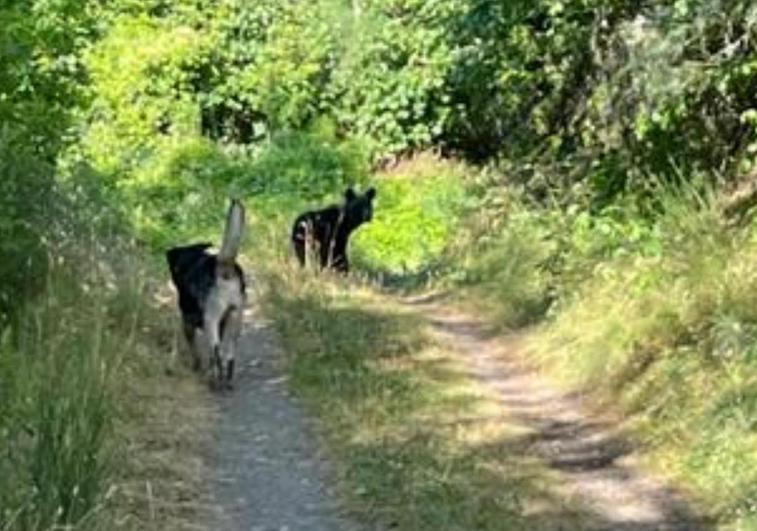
232, 235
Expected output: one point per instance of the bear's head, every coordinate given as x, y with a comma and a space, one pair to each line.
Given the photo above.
358, 208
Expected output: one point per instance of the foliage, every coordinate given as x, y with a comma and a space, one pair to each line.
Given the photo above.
140, 80
418, 207
272, 63
670, 343
649, 315
60, 368
25, 187
589, 95
143, 117
306, 165
602, 94
181, 193
39, 44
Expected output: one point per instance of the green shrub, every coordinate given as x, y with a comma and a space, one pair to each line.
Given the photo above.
416, 212
307, 165
180, 193
141, 83
26, 189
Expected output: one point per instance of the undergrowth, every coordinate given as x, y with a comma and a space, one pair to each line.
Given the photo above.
653, 314
669, 339
418, 205
85, 422
648, 306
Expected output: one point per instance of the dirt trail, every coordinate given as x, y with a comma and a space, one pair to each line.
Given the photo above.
268, 473
590, 455
269, 476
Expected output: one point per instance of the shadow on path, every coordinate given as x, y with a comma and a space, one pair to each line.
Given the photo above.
592, 457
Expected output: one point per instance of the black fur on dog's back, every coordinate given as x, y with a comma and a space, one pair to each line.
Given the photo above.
193, 273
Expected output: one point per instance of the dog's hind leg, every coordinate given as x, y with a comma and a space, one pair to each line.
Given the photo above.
189, 333
230, 330
212, 331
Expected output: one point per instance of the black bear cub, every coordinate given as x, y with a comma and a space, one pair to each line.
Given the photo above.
327, 231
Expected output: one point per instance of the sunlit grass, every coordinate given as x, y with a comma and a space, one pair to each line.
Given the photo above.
669, 340
417, 209
419, 443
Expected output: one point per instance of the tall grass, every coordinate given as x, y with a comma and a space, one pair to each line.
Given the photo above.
82, 353
670, 340
653, 314
501, 273
57, 375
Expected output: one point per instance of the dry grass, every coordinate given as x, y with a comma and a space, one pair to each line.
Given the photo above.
164, 431
102, 427
420, 443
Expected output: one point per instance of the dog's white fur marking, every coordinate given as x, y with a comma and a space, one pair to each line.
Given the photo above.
226, 300
232, 235
224, 308
212, 295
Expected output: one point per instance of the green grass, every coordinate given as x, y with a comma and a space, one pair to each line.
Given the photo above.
670, 341
55, 417
418, 206
419, 443
655, 319
82, 392
500, 273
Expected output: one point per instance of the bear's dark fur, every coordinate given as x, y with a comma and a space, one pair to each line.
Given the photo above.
328, 230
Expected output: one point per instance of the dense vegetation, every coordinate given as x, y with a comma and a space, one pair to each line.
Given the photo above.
582, 150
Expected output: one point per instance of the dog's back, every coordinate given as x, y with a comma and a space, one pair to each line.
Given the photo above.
191, 269
212, 289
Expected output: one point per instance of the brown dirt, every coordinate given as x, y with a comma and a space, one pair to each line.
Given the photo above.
267, 471
595, 462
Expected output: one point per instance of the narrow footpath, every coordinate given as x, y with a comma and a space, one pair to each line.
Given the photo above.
268, 474
596, 465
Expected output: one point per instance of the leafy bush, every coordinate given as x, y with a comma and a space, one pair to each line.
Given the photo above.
305, 165
181, 192
573, 93
39, 90
25, 190
417, 210
141, 79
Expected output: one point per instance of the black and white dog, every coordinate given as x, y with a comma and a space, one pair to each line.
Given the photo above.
212, 295
327, 231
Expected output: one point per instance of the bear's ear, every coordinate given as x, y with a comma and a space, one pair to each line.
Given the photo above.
350, 194
371, 193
